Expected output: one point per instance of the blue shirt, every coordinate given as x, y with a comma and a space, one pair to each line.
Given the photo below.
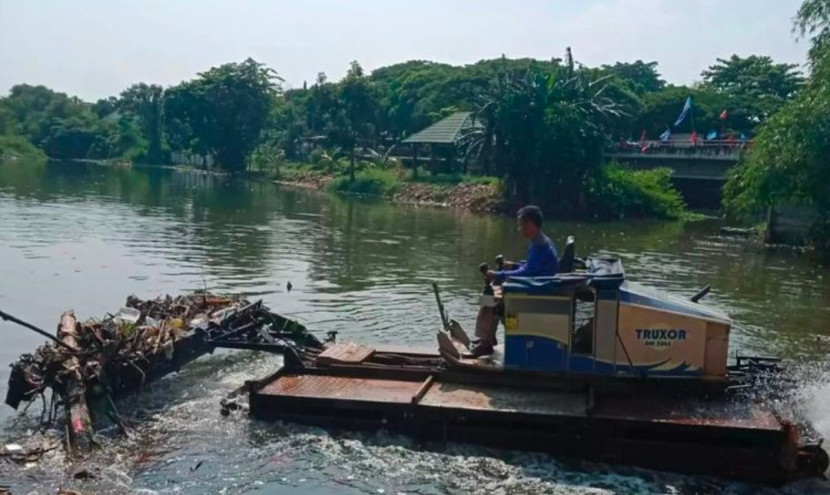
542, 260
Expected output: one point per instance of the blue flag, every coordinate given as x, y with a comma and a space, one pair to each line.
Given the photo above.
665, 136
686, 109
712, 135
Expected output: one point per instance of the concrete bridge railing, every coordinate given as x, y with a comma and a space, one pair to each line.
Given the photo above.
699, 169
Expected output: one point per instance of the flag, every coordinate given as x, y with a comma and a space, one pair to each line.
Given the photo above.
687, 107
712, 135
665, 136
723, 115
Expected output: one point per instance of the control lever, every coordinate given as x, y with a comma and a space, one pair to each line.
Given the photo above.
488, 288
701, 293
500, 261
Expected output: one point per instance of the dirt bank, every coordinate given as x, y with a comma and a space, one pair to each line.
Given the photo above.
481, 198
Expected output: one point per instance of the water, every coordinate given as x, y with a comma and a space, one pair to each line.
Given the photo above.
84, 237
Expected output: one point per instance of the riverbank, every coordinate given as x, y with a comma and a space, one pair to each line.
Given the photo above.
478, 195
616, 194
612, 193
16, 148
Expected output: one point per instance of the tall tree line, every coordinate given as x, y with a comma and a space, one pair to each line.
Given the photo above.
231, 111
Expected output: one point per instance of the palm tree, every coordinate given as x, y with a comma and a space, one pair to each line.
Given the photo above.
329, 156
543, 132
358, 112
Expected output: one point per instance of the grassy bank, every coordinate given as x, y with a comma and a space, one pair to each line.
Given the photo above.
16, 148
612, 193
482, 194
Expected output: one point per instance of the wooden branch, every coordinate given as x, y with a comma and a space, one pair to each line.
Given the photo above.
78, 421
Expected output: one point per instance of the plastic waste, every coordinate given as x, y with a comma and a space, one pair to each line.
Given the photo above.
128, 315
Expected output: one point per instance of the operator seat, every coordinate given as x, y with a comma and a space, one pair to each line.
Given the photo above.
566, 261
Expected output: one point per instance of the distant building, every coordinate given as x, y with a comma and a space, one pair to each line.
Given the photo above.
437, 146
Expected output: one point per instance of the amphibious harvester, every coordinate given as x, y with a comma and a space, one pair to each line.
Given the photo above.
592, 366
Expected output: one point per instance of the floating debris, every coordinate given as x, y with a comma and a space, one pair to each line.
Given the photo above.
21, 455
98, 360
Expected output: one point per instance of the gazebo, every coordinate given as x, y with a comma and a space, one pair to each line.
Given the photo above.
441, 139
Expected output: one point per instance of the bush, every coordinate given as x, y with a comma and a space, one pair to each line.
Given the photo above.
19, 148
372, 182
618, 192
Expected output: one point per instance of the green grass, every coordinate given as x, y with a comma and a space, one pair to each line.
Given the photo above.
370, 182
18, 148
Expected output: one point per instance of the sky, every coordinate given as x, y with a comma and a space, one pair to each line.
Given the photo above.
97, 48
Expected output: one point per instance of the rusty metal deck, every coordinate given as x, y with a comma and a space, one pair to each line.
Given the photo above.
345, 388
696, 413
726, 440
506, 400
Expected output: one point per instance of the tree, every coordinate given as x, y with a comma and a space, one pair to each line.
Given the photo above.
357, 115
62, 126
225, 110
640, 77
813, 20
329, 157
8, 124
755, 84
544, 133
105, 106
320, 104
146, 103
789, 162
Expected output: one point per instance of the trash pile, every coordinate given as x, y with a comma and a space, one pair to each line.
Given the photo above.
95, 361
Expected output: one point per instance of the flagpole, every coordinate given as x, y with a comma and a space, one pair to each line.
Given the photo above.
692, 115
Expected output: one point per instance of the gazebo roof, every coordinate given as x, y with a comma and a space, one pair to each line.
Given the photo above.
446, 131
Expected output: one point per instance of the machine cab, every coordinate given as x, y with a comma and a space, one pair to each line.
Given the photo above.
594, 321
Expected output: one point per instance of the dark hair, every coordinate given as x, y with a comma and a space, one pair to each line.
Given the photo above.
532, 213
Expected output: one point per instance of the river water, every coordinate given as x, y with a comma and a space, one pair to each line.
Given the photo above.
84, 237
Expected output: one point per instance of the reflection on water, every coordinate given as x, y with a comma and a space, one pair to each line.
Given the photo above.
83, 237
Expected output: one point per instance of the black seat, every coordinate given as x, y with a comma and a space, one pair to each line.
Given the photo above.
566, 261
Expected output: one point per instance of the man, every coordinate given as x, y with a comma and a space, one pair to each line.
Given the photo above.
542, 261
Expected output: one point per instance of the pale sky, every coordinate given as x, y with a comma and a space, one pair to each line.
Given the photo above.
96, 48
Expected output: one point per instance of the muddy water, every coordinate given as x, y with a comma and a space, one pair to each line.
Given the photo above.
84, 237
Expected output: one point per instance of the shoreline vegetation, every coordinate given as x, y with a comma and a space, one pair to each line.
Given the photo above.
535, 131
19, 149
638, 194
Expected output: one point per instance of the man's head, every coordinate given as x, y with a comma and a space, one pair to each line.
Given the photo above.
530, 221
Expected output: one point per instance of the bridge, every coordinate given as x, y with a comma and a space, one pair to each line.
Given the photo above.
699, 168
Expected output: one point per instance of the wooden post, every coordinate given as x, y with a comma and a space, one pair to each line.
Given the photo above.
415, 161
78, 421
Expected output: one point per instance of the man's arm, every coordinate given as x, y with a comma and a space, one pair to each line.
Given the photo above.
533, 264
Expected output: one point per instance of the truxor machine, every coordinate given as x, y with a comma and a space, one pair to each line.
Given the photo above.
591, 366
